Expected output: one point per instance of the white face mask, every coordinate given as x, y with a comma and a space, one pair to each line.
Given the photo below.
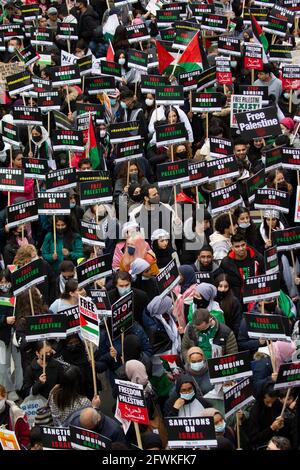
233, 63
245, 225
103, 133
149, 102
196, 366
11, 49
122, 61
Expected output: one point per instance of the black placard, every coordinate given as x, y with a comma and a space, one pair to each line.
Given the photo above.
91, 175
185, 32
273, 158
276, 26
237, 397
27, 276
10, 133
61, 120
203, 276
129, 150
22, 213
101, 300
207, 78
68, 140
206, 102
11, 179
197, 174
171, 173
287, 239
65, 75
268, 198
149, 83
152, 58
84, 439
280, 53
61, 180
123, 131
221, 168
260, 14
35, 168
85, 65
253, 90
168, 34
72, 320
111, 69
91, 234
95, 85
198, 9
271, 260
137, 33
185, 432
166, 18
55, 438
27, 116
213, 22
42, 37
93, 269
229, 46
253, 56
67, 31
283, 14
229, 367
49, 100
254, 182
168, 278
266, 286
220, 147
28, 55
292, 5
225, 198
96, 110
31, 12
169, 95
95, 192
288, 376
290, 158
260, 123
53, 204
122, 315
137, 59
189, 80
169, 134
12, 31
265, 326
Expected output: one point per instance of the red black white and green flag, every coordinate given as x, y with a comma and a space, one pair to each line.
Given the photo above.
94, 151
259, 37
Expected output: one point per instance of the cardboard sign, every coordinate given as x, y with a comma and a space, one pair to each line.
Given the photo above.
252, 90
222, 168
290, 158
49, 100
35, 168
10, 133
198, 10
280, 53
27, 276
169, 95
61, 180
42, 37
137, 59
8, 440
265, 326
28, 55
259, 123
253, 183
189, 432
11, 179
93, 269
47, 326
90, 234
84, 439
207, 78
96, 192
95, 85
224, 75
72, 320
253, 59
53, 204
55, 438
271, 260
149, 83
27, 116
102, 302
137, 33
242, 103
185, 32
68, 140
67, 31
171, 173
166, 18
168, 134
168, 278
122, 315
206, 102
85, 65
225, 198
230, 46
267, 198
287, 239
220, 147
276, 26
261, 287
229, 367
22, 213
61, 121
129, 150
288, 376
89, 323
189, 80
168, 34
131, 402
65, 75
212, 22
197, 172
111, 69
237, 397
273, 158
290, 77
123, 132
95, 110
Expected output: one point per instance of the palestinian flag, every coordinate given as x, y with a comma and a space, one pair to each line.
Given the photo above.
110, 27
110, 54
194, 56
7, 302
94, 152
260, 38
89, 327
164, 58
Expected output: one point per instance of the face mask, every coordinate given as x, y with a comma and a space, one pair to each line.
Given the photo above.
270, 307
5, 287
196, 366
11, 49
113, 101
221, 295
154, 200
2, 405
121, 61
149, 102
286, 96
187, 396
282, 186
103, 133
137, 198
79, 54
36, 138
72, 205
220, 427
245, 225
181, 155
123, 105
233, 63
131, 250
74, 348
124, 290
48, 357
201, 303
133, 176
61, 230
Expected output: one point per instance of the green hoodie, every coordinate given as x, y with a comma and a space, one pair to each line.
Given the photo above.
75, 251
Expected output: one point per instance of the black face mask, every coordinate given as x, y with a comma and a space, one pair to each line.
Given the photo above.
36, 138
200, 303
270, 307
137, 198
48, 357
181, 155
60, 231
221, 295
73, 348
282, 186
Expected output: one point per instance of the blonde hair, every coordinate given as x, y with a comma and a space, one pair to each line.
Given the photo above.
24, 255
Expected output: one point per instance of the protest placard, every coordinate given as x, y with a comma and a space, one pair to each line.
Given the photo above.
122, 315
188, 432
261, 287
168, 278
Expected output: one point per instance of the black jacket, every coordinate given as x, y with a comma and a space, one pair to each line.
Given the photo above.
88, 21
140, 301
48, 287
54, 371
108, 427
5, 329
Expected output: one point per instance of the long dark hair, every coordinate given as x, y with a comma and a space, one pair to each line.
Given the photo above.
70, 286
226, 303
125, 168
69, 235
69, 388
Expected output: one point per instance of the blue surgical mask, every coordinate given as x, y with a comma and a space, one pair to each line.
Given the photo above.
123, 105
124, 290
220, 427
245, 225
113, 101
196, 366
187, 396
72, 205
121, 61
131, 250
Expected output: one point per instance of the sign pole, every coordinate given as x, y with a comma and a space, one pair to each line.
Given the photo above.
252, 76
87, 350
238, 431
285, 401
49, 123
270, 346
295, 133
22, 232
138, 435
68, 99
190, 100
28, 130
206, 125
290, 100
293, 261
54, 234
108, 334
231, 221
93, 367
122, 341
